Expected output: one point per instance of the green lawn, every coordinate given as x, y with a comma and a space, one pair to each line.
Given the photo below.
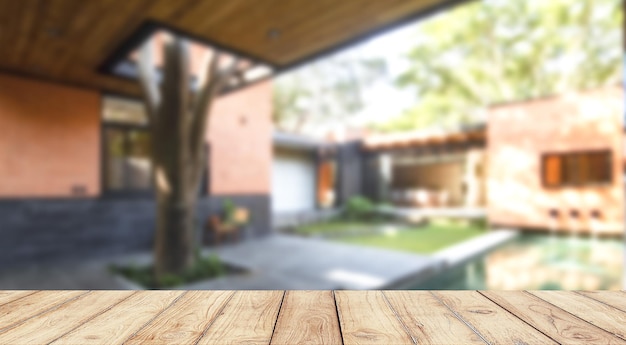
423, 239
334, 227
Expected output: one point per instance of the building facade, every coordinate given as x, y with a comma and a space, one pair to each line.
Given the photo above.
550, 164
75, 172
556, 163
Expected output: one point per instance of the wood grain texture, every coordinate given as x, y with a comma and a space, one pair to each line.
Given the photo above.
185, 321
616, 299
493, 323
307, 317
7, 296
15, 312
366, 318
67, 40
606, 317
549, 319
123, 320
312, 317
248, 318
49, 326
428, 320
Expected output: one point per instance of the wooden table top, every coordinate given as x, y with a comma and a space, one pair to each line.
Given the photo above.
312, 317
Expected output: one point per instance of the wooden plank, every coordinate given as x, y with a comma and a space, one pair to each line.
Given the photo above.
549, 319
307, 317
11, 314
185, 321
51, 325
616, 299
493, 323
248, 318
366, 318
429, 320
123, 320
7, 296
596, 313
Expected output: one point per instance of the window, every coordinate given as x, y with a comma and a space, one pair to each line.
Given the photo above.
126, 140
127, 152
577, 168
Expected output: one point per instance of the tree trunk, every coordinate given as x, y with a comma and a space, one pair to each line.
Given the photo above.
175, 234
178, 119
172, 164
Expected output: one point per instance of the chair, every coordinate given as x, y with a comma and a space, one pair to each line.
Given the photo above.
221, 229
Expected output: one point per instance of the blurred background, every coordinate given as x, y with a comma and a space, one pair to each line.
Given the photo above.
461, 145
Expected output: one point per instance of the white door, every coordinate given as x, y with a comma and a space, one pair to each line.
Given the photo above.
293, 183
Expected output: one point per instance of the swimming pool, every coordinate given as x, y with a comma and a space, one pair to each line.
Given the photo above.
534, 261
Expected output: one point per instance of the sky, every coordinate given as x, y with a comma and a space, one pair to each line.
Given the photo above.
383, 99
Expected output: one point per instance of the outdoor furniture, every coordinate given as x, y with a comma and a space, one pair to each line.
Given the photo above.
221, 229
312, 317
420, 197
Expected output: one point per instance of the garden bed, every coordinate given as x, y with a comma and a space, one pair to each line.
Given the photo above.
205, 268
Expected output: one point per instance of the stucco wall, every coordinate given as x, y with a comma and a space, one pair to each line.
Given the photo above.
518, 134
49, 139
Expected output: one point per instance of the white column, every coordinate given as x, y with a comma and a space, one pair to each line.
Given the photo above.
385, 163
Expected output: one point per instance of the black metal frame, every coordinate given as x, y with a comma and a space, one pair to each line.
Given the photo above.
150, 26
104, 125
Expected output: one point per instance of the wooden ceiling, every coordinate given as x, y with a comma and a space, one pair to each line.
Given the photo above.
68, 41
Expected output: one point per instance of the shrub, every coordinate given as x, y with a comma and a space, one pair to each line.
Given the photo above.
203, 268
480, 223
359, 207
229, 209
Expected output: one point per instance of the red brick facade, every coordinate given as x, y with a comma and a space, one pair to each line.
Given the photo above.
49, 139
519, 134
50, 142
240, 135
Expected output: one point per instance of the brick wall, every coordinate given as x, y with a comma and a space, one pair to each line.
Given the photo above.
240, 135
49, 139
518, 134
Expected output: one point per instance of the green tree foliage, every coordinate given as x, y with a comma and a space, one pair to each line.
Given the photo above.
497, 51
323, 91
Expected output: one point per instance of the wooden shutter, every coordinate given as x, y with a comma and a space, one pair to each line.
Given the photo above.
552, 170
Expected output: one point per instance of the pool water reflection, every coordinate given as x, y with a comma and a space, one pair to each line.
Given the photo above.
539, 262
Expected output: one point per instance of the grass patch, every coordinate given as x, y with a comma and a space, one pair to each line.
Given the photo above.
204, 268
424, 239
334, 227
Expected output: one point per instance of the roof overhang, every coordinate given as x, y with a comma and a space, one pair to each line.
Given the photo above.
81, 43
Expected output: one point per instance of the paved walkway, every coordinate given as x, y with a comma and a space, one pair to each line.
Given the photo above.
290, 262
279, 262
274, 262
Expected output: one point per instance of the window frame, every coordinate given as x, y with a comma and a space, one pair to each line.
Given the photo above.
562, 156
150, 192
106, 191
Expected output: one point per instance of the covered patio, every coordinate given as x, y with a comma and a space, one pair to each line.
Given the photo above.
428, 169
83, 51
194, 75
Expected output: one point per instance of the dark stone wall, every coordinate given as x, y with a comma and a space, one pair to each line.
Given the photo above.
349, 177
371, 178
65, 230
